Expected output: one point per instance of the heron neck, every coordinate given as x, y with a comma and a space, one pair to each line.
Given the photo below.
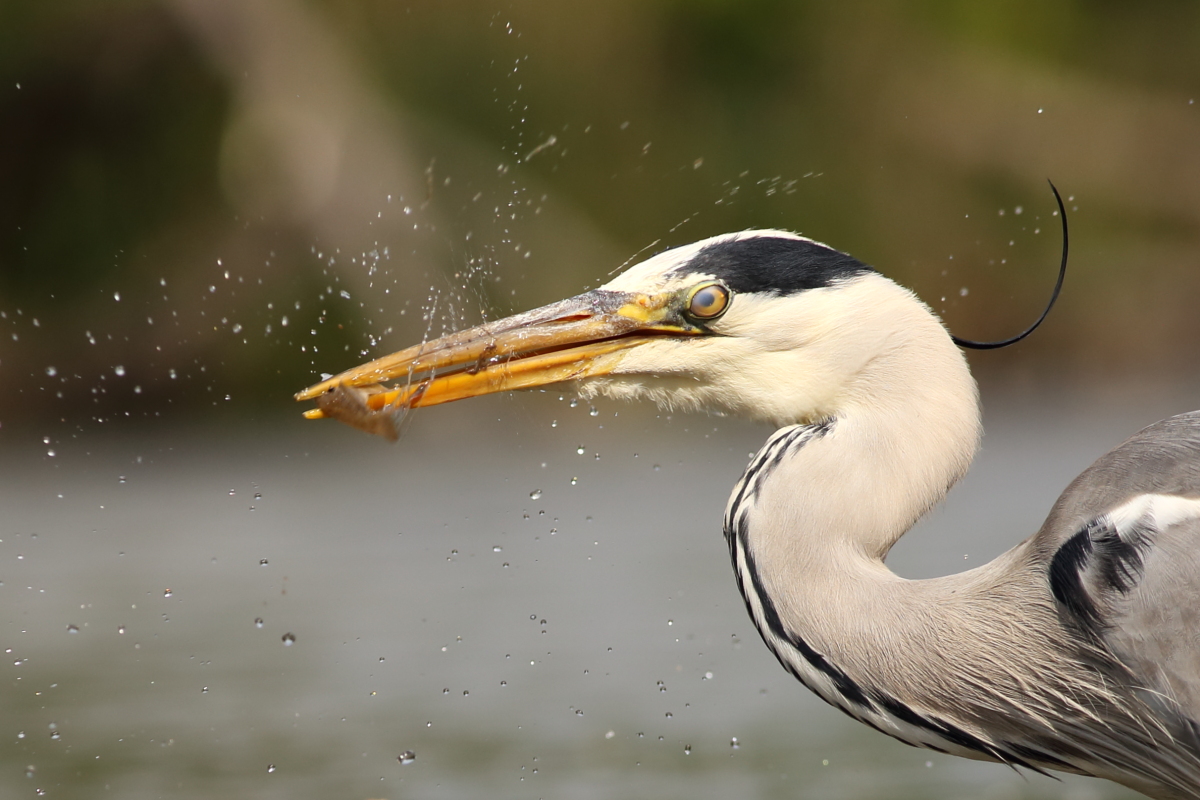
830, 499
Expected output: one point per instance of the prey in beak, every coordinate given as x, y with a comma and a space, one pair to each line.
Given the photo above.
581, 337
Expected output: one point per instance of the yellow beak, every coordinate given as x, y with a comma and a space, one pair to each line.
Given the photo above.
581, 337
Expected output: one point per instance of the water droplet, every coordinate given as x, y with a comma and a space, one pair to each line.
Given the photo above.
504, 683
734, 743
20, 734
117, 296
204, 690
262, 562
120, 629
344, 294
50, 453
579, 450
270, 767
496, 549
258, 622
536, 494
51, 371
445, 691
670, 622
237, 327
407, 757
466, 693
687, 749
593, 411
72, 629
56, 736
119, 370
289, 639
574, 481
670, 715
167, 593
381, 659
579, 712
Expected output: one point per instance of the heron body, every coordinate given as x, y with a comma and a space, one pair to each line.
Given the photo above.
1078, 650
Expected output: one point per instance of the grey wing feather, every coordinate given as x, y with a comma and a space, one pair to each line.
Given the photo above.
1163, 458
1155, 628
1133, 583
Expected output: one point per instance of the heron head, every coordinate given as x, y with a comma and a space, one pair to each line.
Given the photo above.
763, 324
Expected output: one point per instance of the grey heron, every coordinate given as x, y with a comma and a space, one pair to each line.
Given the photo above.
1077, 650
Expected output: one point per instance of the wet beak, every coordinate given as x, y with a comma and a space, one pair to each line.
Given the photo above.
581, 337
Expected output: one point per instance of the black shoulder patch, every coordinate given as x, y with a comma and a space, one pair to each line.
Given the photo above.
1097, 561
1066, 577
774, 264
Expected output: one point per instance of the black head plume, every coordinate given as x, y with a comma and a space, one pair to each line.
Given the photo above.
1062, 273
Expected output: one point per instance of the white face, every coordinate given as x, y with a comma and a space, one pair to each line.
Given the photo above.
779, 358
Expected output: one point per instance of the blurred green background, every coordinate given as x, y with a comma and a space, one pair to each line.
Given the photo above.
179, 178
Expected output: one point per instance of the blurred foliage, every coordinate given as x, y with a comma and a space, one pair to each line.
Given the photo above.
177, 177
113, 138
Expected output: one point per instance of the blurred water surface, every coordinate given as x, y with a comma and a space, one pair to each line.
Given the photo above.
528, 619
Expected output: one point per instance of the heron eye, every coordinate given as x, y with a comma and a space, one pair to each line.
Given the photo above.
708, 301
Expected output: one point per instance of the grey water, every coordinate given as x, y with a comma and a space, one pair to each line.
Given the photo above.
518, 600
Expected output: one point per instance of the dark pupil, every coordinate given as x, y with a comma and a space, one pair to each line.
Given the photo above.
704, 301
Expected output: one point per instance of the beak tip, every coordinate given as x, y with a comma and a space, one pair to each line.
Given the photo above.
312, 392
350, 406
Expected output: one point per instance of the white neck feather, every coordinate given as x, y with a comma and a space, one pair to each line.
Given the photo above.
905, 426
